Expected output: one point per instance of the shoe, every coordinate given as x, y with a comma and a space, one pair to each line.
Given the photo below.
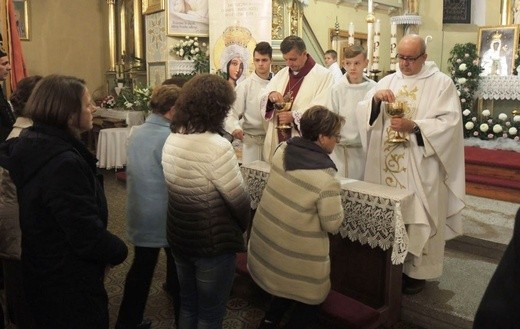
267, 324
412, 286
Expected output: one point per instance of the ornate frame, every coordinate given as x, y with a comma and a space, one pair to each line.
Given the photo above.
23, 8
152, 6
509, 42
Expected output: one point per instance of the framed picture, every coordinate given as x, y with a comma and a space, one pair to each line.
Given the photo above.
21, 10
152, 6
156, 73
456, 12
497, 48
188, 17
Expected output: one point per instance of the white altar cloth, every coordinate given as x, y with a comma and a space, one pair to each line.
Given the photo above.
111, 147
132, 118
374, 214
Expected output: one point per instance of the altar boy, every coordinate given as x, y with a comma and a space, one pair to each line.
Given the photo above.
348, 155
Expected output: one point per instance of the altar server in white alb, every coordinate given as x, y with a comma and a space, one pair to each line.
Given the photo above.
245, 121
348, 154
430, 164
303, 81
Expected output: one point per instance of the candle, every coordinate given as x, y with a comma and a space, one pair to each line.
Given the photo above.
377, 28
351, 29
393, 29
370, 6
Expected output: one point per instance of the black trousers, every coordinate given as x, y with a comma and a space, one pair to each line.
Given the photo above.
18, 309
302, 315
137, 286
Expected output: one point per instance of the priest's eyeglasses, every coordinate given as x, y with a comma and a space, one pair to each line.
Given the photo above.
408, 58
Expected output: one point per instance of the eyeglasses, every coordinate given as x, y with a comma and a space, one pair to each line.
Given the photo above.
409, 59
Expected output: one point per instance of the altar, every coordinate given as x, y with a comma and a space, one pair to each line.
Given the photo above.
367, 255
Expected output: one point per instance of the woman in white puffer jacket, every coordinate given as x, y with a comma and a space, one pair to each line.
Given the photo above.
208, 205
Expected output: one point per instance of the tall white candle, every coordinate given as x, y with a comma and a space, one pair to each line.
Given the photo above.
377, 28
370, 6
393, 29
351, 29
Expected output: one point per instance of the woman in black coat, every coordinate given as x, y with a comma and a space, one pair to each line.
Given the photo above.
66, 247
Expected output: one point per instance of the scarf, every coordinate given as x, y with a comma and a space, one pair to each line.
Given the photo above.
301, 153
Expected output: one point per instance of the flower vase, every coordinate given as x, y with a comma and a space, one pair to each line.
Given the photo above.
184, 66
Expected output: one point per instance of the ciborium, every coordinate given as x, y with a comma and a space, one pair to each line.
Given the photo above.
396, 110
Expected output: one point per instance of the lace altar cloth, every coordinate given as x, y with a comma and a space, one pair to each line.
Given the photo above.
374, 214
499, 87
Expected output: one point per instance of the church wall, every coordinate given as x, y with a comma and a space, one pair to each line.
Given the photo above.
68, 37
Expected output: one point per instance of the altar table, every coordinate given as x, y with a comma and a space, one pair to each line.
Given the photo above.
132, 118
367, 255
111, 147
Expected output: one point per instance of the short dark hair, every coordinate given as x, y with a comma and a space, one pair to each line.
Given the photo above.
178, 81
164, 97
353, 51
56, 99
264, 48
332, 53
203, 105
22, 93
292, 42
319, 120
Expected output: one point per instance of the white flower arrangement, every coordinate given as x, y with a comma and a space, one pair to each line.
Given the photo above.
304, 3
192, 49
489, 128
136, 99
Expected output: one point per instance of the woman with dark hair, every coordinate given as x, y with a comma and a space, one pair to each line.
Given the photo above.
208, 206
66, 247
288, 254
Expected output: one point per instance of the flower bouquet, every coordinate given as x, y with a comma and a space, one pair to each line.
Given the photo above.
134, 99
108, 102
489, 128
192, 49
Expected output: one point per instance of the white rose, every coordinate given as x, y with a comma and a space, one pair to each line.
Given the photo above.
486, 113
181, 52
516, 118
463, 67
463, 100
484, 127
466, 112
187, 37
497, 129
502, 116
196, 44
474, 119
203, 44
192, 51
196, 38
190, 42
462, 81
466, 55
469, 74
513, 131
469, 125
459, 60
197, 49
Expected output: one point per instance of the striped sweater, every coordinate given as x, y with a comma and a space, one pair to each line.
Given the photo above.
288, 253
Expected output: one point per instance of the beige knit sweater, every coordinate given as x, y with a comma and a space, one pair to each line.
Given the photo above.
288, 253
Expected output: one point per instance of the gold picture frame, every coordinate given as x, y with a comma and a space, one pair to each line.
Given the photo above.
152, 6
497, 46
21, 9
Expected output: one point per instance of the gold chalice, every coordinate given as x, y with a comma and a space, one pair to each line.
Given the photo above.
396, 110
283, 107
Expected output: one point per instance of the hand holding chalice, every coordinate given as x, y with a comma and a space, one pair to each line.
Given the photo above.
396, 110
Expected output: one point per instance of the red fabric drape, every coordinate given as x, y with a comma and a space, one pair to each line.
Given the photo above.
18, 71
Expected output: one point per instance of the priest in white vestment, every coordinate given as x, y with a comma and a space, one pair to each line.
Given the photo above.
430, 163
302, 82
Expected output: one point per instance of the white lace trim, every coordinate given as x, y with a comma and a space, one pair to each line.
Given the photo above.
499, 87
376, 219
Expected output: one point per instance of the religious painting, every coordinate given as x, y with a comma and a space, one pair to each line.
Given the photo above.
21, 12
497, 47
152, 6
156, 73
188, 17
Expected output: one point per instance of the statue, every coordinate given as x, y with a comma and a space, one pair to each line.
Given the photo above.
412, 7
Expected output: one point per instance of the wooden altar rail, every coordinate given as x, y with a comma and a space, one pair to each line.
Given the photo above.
367, 257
